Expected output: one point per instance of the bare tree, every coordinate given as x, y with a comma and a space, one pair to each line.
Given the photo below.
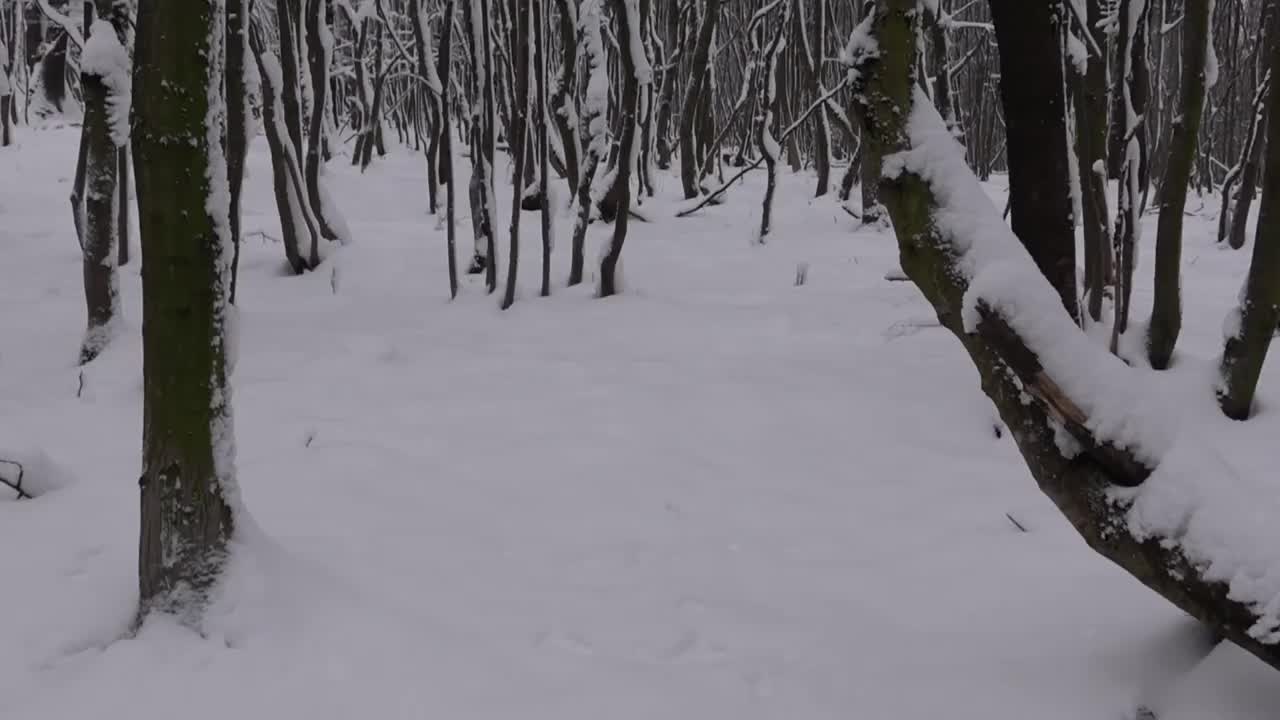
188, 453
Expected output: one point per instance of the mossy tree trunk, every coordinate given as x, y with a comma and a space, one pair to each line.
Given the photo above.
188, 472
1024, 394
1166, 310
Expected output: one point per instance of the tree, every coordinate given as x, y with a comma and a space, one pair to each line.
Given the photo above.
484, 218
693, 94
1033, 363
1166, 311
104, 73
188, 453
1029, 38
595, 102
519, 144
635, 72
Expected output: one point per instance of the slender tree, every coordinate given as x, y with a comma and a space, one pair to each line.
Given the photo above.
1166, 311
693, 94
635, 72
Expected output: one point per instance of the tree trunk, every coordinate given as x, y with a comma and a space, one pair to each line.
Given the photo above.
100, 251
1023, 392
238, 122
188, 454
1091, 152
1031, 92
484, 218
635, 71
562, 100
693, 93
446, 144
1256, 319
1166, 312
519, 143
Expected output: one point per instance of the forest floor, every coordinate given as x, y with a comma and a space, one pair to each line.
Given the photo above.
719, 495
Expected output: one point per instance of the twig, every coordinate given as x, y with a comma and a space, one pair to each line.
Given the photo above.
781, 139
1014, 520
16, 486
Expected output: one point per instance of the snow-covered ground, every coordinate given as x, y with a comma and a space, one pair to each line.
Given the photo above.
720, 495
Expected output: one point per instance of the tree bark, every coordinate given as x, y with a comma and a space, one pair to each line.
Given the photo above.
1011, 374
627, 119
692, 95
1031, 92
188, 467
100, 249
238, 122
1166, 311
519, 144
1259, 312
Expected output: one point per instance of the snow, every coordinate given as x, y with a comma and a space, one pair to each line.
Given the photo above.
105, 57
718, 495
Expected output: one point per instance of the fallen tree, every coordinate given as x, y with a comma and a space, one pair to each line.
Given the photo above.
1076, 412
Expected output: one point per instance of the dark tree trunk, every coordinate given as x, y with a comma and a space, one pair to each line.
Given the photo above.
693, 94
483, 213
1259, 312
1091, 152
541, 68
188, 466
1166, 312
667, 93
446, 144
238, 122
562, 100
123, 216
627, 119
519, 145
1031, 91
1024, 393
318, 66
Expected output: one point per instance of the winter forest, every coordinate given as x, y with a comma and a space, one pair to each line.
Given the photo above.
639, 359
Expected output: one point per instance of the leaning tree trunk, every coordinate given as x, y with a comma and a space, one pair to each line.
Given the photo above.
1166, 310
922, 197
541, 68
188, 452
635, 71
298, 227
693, 94
1031, 92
